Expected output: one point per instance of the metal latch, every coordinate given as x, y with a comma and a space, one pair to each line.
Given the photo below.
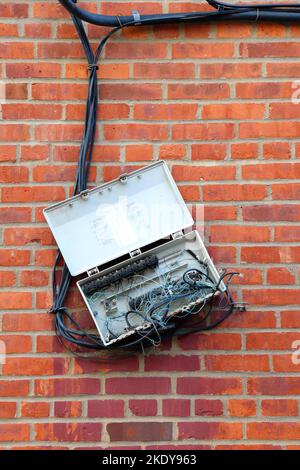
177, 235
135, 253
93, 271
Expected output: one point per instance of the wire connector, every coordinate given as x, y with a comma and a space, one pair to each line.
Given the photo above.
93, 66
136, 17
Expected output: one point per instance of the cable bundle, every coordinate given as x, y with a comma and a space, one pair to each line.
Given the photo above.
206, 315
224, 11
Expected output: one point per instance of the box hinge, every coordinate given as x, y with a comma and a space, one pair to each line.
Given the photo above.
134, 253
177, 235
93, 271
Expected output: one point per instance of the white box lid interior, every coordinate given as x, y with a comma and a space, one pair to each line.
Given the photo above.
117, 218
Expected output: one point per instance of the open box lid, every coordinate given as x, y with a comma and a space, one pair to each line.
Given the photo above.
118, 218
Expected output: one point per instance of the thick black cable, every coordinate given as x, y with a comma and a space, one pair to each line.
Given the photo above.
267, 12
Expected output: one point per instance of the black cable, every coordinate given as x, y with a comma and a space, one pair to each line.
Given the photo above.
76, 334
267, 12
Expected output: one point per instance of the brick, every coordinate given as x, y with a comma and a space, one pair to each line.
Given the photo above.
286, 191
273, 431
14, 91
66, 387
67, 409
208, 151
273, 386
220, 213
13, 10
135, 132
8, 30
131, 432
105, 409
270, 129
22, 236
43, 10
48, 344
204, 407
7, 278
139, 153
280, 150
8, 410
16, 174
209, 173
172, 152
34, 152
14, 388
200, 91
279, 69
202, 51
268, 212
241, 407
283, 254
34, 278
33, 194
244, 151
280, 276
138, 385
236, 233
90, 367
12, 50
271, 171
143, 407
167, 112
15, 215
11, 132
274, 49
164, 71
253, 320
33, 70
129, 51
17, 343
203, 131
266, 90
225, 30
271, 297
239, 111
66, 432
7, 153
230, 192
237, 363
15, 300
136, 92
208, 386
210, 430
190, 193
230, 70
38, 366
212, 341
279, 407
14, 432
270, 341
58, 91
290, 319
169, 363
37, 30
35, 409
27, 322
31, 111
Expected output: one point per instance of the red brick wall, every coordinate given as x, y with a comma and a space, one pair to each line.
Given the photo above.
215, 102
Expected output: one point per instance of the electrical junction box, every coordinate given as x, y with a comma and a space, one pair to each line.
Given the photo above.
132, 242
